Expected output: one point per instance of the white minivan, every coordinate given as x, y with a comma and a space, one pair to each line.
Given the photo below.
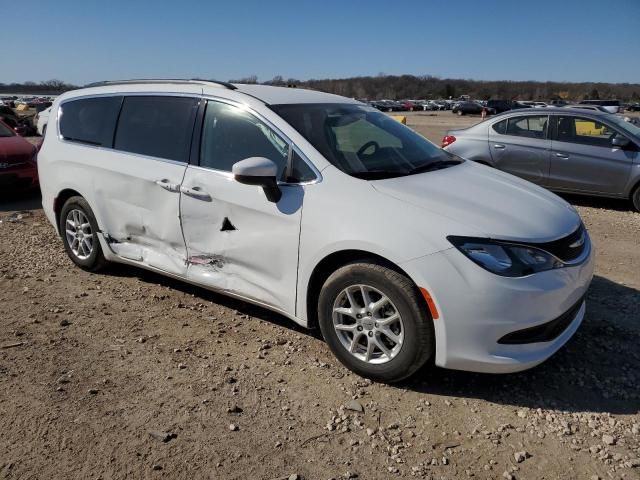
323, 209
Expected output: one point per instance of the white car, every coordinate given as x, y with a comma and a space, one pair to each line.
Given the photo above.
41, 120
325, 210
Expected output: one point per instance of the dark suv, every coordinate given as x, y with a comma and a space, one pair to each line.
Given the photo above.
504, 105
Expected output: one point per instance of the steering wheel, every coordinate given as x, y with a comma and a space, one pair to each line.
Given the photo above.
364, 147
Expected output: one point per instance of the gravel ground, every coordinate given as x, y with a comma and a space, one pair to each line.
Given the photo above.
128, 374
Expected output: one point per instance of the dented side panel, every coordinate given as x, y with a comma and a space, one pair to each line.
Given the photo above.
139, 218
239, 242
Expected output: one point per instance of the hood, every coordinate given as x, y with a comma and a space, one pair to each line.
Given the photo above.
482, 199
15, 150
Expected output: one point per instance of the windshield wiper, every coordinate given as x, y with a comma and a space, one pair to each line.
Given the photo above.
437, 165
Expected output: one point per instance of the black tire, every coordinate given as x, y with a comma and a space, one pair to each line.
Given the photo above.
419, 339
95, 261
635, 198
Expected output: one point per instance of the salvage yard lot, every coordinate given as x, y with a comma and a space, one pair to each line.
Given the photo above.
95, 367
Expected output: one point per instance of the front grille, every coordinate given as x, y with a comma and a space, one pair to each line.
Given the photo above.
568, 248
545, 332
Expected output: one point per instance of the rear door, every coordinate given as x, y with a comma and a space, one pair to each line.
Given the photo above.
238, 242
138, 184
584, 160
520, 145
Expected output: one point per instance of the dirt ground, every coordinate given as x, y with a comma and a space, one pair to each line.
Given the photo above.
128, 374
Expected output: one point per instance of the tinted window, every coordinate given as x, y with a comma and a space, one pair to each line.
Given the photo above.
533, 126
90, 120
230, 134
585, 131
157, 126
500, 127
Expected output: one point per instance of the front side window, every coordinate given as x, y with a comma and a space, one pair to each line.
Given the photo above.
90, 120
584, 131
231, 134
534, 126
157, 126
364, 142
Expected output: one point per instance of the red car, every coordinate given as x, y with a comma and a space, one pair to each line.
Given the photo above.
18, 167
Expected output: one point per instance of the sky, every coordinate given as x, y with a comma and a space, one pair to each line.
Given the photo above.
82, 41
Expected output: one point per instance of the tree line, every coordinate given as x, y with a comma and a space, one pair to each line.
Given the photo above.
396, 87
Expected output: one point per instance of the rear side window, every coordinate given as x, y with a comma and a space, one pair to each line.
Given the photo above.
90, 120
500, 127
157, 126
532, 126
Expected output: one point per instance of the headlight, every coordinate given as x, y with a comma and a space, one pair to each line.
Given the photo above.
506, 259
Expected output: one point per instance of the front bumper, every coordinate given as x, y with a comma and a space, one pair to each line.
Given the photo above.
478, 308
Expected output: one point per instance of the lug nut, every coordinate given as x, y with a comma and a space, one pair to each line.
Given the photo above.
370, 333
359, 328
369, 314
358, 316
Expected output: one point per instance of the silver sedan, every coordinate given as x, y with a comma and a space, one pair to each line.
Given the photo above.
562, 149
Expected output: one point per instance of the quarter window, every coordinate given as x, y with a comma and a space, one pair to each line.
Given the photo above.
157, 126
90, 120
584, 131
500, 127
531, 126
231, 134
300, 170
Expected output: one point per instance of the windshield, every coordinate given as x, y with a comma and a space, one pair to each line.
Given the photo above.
623, 124
5, 131
364, 142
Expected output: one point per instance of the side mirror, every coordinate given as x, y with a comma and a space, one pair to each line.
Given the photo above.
259, 171
619, 141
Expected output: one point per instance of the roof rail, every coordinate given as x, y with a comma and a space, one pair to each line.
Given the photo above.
178, 81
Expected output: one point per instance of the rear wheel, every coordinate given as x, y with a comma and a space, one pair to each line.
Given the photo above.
79, 231
375, 322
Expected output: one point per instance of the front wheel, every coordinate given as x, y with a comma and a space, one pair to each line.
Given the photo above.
635, 198
375, 322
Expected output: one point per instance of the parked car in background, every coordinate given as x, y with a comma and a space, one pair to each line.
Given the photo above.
41, 119
465, 108
21, 126
565, 150
501, 106
634, 107
593, 108
611, 106
18, 167
325, 210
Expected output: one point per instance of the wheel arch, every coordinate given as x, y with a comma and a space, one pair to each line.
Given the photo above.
330, 263
59, 202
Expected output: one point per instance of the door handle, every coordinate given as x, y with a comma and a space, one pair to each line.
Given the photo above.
499, 146
196, 192
167, 185
562, 155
